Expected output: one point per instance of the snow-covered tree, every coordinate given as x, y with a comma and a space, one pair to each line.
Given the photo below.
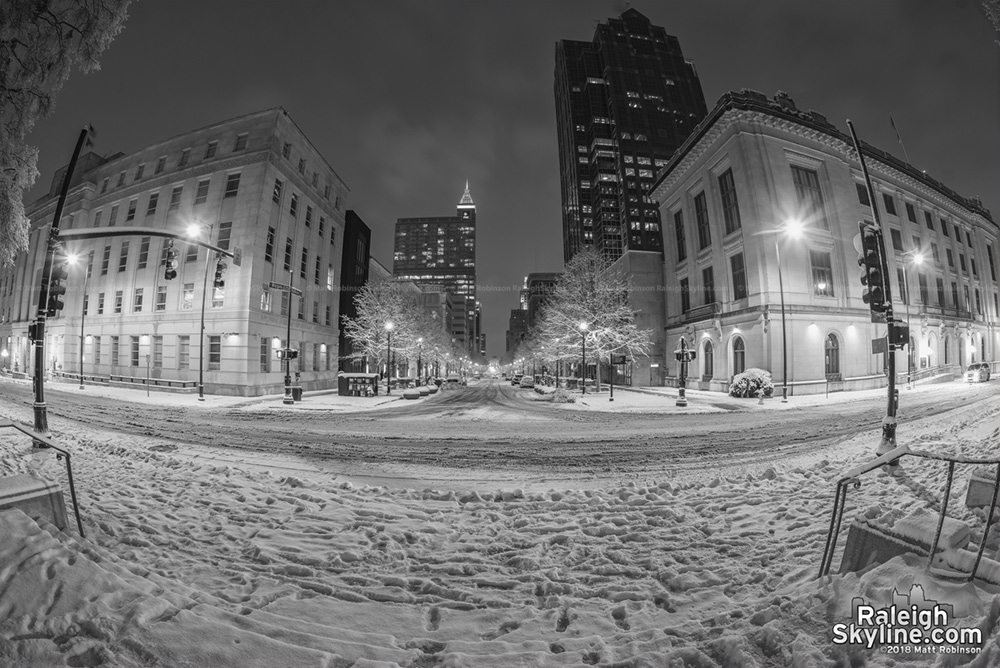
380, 302
41, 42
591, 293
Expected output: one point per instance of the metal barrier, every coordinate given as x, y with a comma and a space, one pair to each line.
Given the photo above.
851, 478
49, 443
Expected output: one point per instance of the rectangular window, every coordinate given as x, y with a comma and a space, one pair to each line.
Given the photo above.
922, 285
121, 180
265, 299
212, 148
288, 254
901, 281
183, 352
968, 237
276, 193
158, 352
309, 216
187, 297
328, 321
90, 264
137, 301
192, 253
161, 162
232, 186
810, 196
935, 253
708, 281
161, 298
265, 355
730, 207
143, 253
154, 199
269, 245
890, 204
961, 263
134, 351
97, 350
304, 263
104, 185
100, 303
739, 276
954, 294
86, 304
929, 220
218, 297
911, 213
286, 150
293, 207
318, 268
118, 301
329, 277
822, 273
132, 204
944, 227
975, 270
185, 156
241, 142
115, 352
897, 239
316, 312
302, 165
105, 260
679, 232
202, 193
701, 216
123, 257
863, 194
951, 258
979, 303
322, 224
302, 308
113, 216
139, 171
225, 232
97, 218
968, 302
175, 198
940, 291
993, 267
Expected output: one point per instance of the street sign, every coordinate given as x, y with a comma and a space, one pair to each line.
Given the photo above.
879, 346
237, 256
277, 286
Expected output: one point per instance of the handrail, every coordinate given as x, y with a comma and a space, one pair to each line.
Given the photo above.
852, 477
49, 443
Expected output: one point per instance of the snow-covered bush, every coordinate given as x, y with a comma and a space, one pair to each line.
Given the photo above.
561, 396
751, 383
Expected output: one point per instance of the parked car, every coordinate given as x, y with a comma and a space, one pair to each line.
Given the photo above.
978, 372
516, 379
527, 381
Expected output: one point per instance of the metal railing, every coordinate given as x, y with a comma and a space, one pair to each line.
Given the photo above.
851, 478
49, 443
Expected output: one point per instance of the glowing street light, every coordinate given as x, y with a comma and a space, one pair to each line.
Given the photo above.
793, 229
916, 258
74, 259
388, 353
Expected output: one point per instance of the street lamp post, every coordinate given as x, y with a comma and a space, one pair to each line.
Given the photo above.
583, 351
793, 229
420, 352
388, 356
916, 258
193, 231
83, 312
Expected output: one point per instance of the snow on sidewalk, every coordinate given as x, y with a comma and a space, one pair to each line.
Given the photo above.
195, 563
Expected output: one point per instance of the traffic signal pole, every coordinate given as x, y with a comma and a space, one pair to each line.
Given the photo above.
893, 340
38, 331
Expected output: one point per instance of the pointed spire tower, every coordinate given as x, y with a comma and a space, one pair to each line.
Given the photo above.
466, 205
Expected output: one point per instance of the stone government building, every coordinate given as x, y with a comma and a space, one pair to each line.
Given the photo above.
748, 168
261, 185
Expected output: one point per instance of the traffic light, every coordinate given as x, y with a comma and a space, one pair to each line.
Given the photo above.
279, 353
293, 354
170, 261
220, 270
871, 259
57, 279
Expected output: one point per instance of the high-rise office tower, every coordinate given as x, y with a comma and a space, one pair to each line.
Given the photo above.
624, 103
442, 251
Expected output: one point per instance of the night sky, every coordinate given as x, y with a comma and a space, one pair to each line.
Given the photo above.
407, 100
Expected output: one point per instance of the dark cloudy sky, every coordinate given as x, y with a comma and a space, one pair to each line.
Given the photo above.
408, 99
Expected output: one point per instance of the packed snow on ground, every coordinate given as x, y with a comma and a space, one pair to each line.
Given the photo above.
190, 562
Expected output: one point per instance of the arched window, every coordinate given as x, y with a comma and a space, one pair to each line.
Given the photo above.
912, 354
739, 356
982, 347
947, 350
832, 357
708, 355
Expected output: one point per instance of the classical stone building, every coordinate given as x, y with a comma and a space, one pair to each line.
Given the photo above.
253, 182
754, 171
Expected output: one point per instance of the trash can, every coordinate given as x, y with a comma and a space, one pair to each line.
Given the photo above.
297, 393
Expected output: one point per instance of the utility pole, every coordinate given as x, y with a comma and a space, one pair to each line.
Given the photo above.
37, 330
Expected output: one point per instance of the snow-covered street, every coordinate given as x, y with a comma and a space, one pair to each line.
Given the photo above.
206, 553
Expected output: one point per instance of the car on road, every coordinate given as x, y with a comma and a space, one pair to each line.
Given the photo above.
527, 381
978, 372
516, 379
